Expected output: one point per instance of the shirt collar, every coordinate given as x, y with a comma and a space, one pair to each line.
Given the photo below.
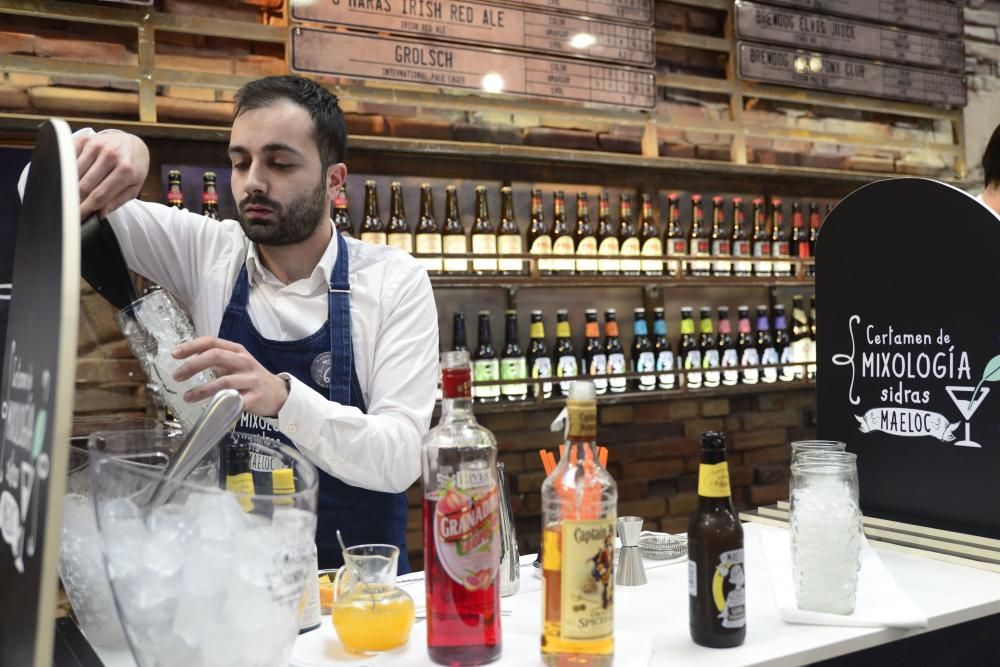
257, 272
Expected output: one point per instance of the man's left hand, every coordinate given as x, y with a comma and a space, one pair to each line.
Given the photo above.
263, 392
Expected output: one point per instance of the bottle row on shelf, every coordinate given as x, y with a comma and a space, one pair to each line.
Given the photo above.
766, 247
764, 350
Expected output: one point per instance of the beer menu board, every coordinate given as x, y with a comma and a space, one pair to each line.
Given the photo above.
633, 11
420, 61
36, 398
776, 25
933, 16
782, 65
485, 23
908, 353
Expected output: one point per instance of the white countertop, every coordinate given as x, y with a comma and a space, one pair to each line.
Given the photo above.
657, 613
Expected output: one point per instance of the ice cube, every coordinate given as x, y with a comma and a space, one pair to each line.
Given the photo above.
208, 566
195, 614
224, 649
219, 516
123, 544
163, 556
176, 653
173, 521
118, 510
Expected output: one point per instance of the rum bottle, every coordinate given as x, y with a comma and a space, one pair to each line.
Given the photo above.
579, 501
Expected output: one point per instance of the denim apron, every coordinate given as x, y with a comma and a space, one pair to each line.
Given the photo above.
323, 361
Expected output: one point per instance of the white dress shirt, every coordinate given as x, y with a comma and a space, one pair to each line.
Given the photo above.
393, 328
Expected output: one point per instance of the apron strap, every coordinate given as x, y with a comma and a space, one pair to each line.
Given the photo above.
341, 345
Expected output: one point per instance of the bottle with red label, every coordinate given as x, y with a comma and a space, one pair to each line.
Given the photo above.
800, 237
675, 241
761, 247
779, 240
814, 223
461, 527
722, 265
698, 241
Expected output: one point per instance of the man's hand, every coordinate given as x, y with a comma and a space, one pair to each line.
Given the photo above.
112, 166
263, 393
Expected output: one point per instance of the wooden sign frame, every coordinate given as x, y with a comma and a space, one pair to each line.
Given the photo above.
36, 398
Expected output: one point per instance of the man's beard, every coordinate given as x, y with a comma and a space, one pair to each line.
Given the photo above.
284, 226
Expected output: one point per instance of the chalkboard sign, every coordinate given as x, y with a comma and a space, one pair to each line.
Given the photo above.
36, 398
909, 351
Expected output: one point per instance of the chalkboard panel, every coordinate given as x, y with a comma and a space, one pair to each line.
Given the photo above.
36, 398
908, 344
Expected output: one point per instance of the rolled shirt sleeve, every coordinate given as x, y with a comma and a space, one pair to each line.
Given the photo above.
379, 450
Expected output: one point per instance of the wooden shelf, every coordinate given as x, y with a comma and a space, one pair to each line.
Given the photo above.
474, 281
631, 396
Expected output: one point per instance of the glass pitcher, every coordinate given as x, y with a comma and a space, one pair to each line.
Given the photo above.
370, 613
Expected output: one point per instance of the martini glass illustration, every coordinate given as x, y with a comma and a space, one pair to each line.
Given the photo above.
967, 404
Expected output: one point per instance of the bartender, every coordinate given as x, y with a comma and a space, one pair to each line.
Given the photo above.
331, 342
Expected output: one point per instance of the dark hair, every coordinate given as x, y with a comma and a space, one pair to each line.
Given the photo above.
329, 128
991, 159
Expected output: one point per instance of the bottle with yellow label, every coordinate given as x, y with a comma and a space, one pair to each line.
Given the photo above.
716, 571
579, 508
399, 233
310, 614
239, 479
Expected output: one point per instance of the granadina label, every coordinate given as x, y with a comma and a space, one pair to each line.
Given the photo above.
908, 368
467, 533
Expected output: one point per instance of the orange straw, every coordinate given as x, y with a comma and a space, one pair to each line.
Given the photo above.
602, 455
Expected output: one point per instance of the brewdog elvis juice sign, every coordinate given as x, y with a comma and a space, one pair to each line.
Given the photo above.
909, 351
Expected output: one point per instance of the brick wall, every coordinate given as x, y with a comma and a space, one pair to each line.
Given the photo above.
653, 456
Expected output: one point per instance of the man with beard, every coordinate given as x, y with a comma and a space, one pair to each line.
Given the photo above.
331, 342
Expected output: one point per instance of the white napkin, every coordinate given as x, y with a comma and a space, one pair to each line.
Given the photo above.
880, 601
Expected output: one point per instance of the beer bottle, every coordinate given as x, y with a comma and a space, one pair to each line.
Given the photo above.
740, 241
508, 234
595, 359
814, 222
585, 238
698, 241
209, 196
765, 346
688, 350
484, 236
616, 353
399, 235
538, 357
562, 243
607, 239
458, 343
800, 341
513, 364
676, 244
428, 237
800, 237
566, 363
643, 357
239, 478
811, 365
649, 239
372, 227
709, 352
716, 576
628, 239
779, 240
723, 264
746, 347
729, 358
453, 239
341, 216
539, 236
761, 241
485, 365
175, 194
665, 376
782, 345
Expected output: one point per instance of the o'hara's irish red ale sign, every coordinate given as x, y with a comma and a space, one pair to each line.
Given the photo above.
777, 25
633, 11
375, 57
484, 23
909, 351
840, 74
930, 15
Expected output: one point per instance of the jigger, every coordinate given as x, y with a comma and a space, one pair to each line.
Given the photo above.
631, 571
